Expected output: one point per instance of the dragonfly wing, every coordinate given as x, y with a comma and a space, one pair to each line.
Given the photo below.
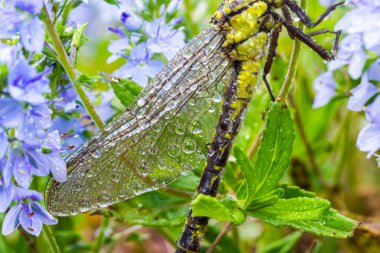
162, 136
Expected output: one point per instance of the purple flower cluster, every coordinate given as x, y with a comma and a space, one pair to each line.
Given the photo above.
143, 39
34, 115
359, 48
27, 147
21, 17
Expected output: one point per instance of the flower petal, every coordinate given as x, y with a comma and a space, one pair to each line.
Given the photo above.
3, 142
357, 63
369, 139
11, 113
21, 194
30, 221
6, 196
32, 35
374, 71
325, 87
11, 220
361, 94
22, 170
43, 215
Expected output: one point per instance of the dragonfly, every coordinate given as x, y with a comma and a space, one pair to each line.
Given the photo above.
188, 115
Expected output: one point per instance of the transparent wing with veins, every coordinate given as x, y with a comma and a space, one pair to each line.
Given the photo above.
161, 137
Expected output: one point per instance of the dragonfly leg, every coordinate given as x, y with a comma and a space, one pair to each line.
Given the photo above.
306, 20
336, 41
287, 16
273, 44
293, 6
305, 38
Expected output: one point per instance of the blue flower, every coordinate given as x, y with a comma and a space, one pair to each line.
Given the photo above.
67, 96
3, 142
350, 52
72, 130
369, 137
36, 119
361, 94
11, 113
363, 20
173, 5
6, 194
17, 22
139, 66
32, 157
325, 87
117, 48
8, 54
163, 38
130, 21
26, 84
374, 71
120, 46
28, 213
32, 6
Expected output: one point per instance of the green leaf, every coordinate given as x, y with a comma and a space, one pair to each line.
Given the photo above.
283, 245
79, 37
268, 200
292, 191
275, 149
312, 215
273, 156
225, 210
113, 2
153, 209
288, 210
331, 224
248, 171
126, 90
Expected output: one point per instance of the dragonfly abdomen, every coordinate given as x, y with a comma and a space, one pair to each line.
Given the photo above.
246, 35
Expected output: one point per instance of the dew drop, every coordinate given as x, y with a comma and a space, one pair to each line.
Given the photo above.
194, 87
89, 174
171, 105
141, 102
191, 102
157, 127
187, 169
140, 114
144, 168
174, 151
162, 164
187, 53
180, 130
216, 98
122, 194
97, 153
189, 146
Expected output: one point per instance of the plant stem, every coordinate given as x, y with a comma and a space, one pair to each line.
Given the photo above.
306, 143
252, 150
220, 236
50, 239
70, 71
101, 237
293, 64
